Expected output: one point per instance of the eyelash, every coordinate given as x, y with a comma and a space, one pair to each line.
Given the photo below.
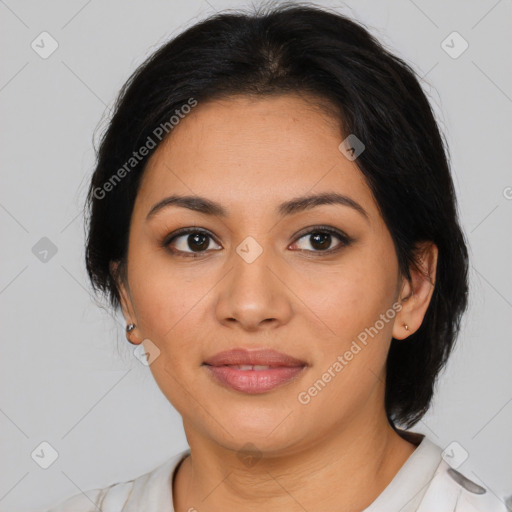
344, 239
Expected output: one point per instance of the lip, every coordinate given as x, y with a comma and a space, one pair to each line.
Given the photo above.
265, 357
282, 369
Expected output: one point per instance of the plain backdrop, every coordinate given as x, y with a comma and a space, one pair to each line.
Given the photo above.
67, 374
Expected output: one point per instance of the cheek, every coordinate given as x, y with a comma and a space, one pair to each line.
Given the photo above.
167, 298
352, 297
354, 357
168, 307
174, 307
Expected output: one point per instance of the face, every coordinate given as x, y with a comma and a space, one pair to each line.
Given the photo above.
304, 281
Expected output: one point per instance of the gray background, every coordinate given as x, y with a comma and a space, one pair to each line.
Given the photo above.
67, 374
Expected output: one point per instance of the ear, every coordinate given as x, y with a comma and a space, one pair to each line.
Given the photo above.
124, 295
416, 293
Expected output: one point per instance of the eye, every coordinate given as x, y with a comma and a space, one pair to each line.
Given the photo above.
189, 241
321, 240
192, 242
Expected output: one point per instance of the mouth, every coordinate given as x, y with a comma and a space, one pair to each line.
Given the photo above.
255, 371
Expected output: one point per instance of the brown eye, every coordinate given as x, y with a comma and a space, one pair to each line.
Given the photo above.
322, 240
190, 241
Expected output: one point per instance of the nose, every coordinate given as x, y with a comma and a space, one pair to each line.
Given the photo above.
254, 295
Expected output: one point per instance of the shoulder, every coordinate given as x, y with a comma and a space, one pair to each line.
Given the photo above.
451, 490
152, 486
94, 499
474, 496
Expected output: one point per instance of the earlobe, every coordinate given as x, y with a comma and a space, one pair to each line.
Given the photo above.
417, 292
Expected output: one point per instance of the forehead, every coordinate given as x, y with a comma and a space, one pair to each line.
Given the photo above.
252, 152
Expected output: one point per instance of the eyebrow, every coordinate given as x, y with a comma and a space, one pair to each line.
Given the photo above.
296, 205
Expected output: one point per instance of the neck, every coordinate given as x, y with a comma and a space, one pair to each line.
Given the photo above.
345, 470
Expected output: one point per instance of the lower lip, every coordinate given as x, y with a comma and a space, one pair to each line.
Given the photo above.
254, 381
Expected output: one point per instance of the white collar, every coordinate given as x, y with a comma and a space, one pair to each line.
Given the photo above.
423, 484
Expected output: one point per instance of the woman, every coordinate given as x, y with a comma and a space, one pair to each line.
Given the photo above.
272, 209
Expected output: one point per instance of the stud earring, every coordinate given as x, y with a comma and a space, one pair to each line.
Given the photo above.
406, 327
129, 329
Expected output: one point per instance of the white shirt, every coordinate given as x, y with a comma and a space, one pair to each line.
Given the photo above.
425, 483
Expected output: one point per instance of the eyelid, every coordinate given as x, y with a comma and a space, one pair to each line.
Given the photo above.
342, 236
187, 231
325, 229
344, 239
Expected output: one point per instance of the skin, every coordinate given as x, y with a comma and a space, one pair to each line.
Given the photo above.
338, 452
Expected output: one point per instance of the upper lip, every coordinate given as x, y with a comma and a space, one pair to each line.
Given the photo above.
263, 357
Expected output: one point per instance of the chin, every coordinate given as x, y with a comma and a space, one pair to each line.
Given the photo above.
270, 432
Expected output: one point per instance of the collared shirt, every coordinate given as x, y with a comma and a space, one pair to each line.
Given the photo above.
425, 483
